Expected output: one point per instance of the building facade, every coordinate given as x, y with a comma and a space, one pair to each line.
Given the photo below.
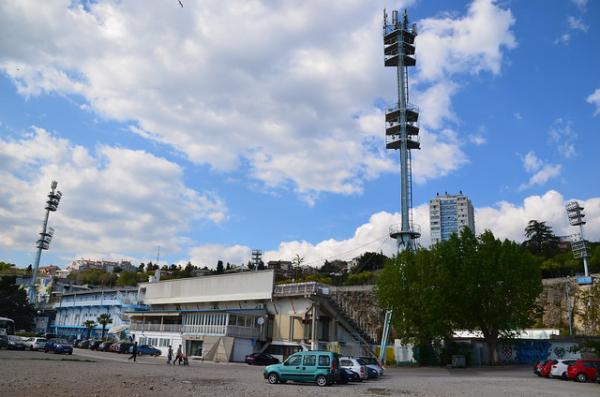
450, 213
104, 265
74, 308
225, 317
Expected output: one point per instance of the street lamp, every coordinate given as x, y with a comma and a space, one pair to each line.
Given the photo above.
45, 236
578, 245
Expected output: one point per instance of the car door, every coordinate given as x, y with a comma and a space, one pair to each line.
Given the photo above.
309, 367
292, 368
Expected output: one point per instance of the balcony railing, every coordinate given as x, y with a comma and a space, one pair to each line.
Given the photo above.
140, 327
218, 330
292, 289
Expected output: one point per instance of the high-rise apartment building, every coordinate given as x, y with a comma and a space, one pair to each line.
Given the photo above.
450, 213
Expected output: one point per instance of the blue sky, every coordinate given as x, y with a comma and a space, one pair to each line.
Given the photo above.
213, 129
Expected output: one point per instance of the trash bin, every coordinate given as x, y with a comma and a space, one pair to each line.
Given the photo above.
458, 361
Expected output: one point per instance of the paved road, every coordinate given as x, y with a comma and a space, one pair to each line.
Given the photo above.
87, 373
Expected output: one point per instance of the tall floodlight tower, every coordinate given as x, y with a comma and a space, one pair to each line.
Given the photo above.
578, 245
402, 128
45, 237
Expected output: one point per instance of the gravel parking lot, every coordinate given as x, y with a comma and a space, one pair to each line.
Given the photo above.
88, 373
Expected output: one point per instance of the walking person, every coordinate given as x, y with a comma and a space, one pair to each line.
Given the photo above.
170, 355
134, 352
178, 356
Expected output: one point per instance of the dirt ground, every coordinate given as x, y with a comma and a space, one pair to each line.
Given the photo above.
90, 374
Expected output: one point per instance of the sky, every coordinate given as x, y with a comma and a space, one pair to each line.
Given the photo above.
216, 128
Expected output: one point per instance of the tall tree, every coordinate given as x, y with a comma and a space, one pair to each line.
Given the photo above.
89, 325
104, 319
540, 238
220, 267
410, 287
491, 285
14, 303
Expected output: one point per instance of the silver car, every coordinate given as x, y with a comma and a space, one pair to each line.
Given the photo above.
35, 343
355, 366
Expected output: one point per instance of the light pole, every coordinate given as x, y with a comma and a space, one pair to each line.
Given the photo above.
578, 245
45, 237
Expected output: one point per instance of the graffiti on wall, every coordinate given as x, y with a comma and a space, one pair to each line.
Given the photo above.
531, 351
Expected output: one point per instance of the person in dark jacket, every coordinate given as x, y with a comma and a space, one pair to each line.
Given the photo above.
170, 355
134, 352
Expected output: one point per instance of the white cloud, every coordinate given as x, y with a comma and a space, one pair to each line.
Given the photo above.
508, 220
477, 140
209, 254
577, 24
594, 99
542, 171
504, 219
532, 162
518, 116
563, 136
564, 38
581, 4
218, 85
116, 201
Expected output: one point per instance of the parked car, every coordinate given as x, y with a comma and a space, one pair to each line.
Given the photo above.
105, 346
15, 343
538, 366
352, 364
58, 346
347, 375
124, 347
559, 369
310, 366
371, 372
371, 362
261, 359
545, 369
146, 350
83, 344
584, 370
35, 343
114, 347
3, 341
95, 344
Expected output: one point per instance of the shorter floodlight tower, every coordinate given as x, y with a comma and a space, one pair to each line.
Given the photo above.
578, 244
45, 237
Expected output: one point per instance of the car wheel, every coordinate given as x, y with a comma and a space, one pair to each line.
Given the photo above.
564, 376
321, 381
581, 377
273, 378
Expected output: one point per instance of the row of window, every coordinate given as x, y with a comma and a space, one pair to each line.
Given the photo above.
157, 342
310, 360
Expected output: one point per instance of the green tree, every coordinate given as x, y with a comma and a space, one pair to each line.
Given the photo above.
220, 267
540, 239
130, 279
89, 325
14, 303
409, 286
104, 319
491, 285
369, 262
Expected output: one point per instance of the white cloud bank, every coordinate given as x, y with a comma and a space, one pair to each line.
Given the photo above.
117, 202
504, 219
541, 170
275, 85
594, 99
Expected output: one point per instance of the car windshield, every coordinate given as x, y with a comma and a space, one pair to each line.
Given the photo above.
41, 340
369, 360
361, 361
61, 341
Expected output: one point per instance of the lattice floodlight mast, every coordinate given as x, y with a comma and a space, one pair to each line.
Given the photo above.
578, 244
402, 128
45, 237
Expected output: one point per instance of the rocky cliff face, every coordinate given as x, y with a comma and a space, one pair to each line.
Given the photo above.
560, 300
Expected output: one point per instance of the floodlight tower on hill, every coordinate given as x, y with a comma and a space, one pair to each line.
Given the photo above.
402, 128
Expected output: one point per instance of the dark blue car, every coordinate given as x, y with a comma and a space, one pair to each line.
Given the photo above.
58, 346
146, 350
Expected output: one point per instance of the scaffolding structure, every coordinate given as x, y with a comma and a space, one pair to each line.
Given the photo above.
402, 120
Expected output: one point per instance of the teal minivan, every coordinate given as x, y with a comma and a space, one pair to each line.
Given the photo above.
310, 366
